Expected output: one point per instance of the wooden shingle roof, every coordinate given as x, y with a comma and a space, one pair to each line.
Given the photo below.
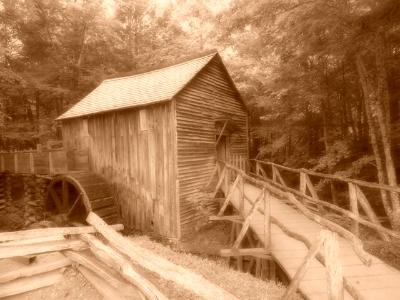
138, 90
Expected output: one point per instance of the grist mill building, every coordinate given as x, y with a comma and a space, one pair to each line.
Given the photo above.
153, 137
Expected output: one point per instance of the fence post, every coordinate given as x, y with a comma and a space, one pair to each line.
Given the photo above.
333, 266
303, 183
354, 209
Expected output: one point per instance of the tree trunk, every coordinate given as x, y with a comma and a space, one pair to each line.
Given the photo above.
369, 94
78, 64
384, 121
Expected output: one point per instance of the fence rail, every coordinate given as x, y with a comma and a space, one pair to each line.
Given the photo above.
357, 199
45, 162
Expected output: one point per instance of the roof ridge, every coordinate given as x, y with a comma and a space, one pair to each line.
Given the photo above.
156, 70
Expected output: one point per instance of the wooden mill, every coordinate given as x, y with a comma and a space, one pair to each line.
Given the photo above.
156, 137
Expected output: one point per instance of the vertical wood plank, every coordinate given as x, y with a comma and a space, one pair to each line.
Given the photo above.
16, 162
31, 163
2, 162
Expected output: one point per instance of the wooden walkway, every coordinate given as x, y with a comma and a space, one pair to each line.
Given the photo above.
379, 281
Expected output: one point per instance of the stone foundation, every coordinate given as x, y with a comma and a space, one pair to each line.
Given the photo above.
22, 200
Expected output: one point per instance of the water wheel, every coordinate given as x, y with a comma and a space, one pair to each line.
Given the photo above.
75, 195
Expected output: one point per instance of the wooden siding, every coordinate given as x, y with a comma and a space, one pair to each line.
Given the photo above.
208, 97
138, 158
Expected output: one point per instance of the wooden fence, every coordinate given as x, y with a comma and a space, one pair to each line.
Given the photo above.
308, 195
45, 162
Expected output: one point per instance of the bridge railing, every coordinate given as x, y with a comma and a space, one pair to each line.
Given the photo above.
43, 162
308, 194
325, 249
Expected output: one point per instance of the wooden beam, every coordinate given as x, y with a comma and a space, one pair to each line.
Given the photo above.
255, 252
116, 261
11, 251
44, 264
154, 263
33, 241
46, 232
27, 284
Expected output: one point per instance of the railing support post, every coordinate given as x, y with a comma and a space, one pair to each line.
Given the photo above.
355, 227
333, 266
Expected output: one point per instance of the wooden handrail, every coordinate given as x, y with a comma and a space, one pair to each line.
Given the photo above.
338, 209
366, 184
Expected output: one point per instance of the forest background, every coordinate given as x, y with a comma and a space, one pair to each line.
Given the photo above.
320, 77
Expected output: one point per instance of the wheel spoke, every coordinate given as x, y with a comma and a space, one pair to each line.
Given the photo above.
74, 205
